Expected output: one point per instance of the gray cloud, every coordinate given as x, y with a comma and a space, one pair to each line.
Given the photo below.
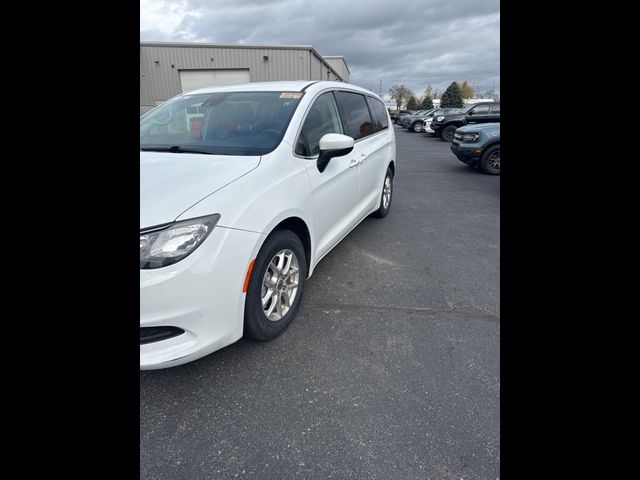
427, 42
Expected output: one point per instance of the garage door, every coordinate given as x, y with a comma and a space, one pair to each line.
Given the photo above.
194, 79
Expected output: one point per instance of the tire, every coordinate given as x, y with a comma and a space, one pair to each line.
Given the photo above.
417, 127
282, 247
490, 162
447, 133
387, 189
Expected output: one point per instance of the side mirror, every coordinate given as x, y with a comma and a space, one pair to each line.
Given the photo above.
333, 145
470, 113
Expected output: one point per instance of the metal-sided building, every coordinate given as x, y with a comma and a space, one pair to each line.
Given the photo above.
339, 64
167, 69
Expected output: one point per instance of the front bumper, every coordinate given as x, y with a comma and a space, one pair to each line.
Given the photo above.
435, 127
468, 155
201, 295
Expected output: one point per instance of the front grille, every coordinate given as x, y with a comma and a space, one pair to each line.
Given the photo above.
155, 334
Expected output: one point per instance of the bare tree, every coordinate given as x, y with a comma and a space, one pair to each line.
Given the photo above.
428, 92
400, 94
491, 94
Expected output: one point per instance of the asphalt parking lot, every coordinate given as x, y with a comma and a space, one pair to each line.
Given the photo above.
391, 369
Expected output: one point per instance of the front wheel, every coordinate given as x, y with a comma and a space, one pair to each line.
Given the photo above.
490, 163
386, 197
417, 127
275, 287
447, 133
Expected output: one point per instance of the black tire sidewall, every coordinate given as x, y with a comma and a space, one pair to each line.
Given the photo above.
256, 325
449, 128
484, 163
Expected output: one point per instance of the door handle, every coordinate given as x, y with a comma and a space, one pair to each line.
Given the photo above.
353, 162
363, 157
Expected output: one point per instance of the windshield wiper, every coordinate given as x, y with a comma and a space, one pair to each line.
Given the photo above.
174, 149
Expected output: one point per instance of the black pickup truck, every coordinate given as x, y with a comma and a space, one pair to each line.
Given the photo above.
446, 125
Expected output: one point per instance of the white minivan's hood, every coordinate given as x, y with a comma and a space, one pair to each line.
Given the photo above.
172, 182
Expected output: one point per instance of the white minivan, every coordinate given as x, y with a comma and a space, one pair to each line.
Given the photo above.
243, 190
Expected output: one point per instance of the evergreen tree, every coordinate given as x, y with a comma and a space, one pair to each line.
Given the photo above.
412, 104
427, 103
452, 97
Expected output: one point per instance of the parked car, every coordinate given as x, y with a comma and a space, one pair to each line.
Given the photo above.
403, 115
478, 145
394, 115
406, 119
427, 127
243, 190
427, 119
445, 125
416, 121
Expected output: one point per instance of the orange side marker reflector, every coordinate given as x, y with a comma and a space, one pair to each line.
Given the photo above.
248, 277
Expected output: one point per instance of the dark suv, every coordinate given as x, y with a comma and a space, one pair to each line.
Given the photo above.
446, 125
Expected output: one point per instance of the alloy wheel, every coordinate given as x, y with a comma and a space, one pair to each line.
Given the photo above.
494, 160
386, 192
280, 284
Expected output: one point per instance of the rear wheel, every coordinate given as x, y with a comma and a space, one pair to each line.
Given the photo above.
275, 287
447, 133
490, 163
386, 197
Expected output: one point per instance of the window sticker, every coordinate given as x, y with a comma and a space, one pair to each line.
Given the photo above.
293, 95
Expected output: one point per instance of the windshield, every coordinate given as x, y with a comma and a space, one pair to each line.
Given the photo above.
230, 123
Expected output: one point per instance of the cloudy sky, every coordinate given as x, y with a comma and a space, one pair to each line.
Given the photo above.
414, 43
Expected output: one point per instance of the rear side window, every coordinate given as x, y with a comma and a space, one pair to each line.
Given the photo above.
481, 109
379, 114
495, 108
355, 114
323, 118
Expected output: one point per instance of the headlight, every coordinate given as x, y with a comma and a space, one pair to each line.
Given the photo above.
469, 137
159, 248
439, 119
